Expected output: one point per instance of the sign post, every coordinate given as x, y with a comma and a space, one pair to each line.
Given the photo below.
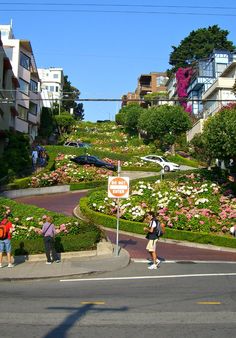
118, 187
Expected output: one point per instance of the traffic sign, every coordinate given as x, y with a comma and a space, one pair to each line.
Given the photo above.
118, 187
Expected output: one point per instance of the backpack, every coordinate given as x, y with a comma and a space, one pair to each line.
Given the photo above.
3, 229
158, 229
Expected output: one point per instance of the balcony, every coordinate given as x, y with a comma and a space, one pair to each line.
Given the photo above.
220, 83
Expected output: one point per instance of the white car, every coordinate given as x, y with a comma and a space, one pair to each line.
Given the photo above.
162, 161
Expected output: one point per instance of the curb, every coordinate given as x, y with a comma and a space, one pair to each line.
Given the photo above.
86, 266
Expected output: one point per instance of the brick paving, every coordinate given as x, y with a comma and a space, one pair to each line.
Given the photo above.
65, 203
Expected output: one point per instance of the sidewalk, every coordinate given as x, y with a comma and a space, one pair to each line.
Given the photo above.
72, 264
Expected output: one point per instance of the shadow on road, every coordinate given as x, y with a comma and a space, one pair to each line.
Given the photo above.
76, 314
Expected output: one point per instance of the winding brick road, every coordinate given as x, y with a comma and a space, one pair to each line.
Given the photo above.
65, 203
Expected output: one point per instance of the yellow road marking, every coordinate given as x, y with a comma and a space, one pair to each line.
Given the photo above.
209, 303
93, 303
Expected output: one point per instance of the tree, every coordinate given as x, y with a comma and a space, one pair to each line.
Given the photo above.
69, 96
219, 134
199, 149
164, 124
65, 122
128, 116
199, 44
47, 123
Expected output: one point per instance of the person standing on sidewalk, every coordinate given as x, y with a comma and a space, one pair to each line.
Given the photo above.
152, 240
49, 232
5, 241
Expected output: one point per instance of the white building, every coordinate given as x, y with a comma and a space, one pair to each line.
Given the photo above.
28, 97
8, 86
52, 82
220, 93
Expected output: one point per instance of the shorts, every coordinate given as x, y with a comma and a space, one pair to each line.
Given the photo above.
151, 246
5, 243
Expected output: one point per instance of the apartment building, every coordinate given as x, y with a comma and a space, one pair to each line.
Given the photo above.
214, 89
28, 97
8, 86
147, 83
52, 82
220, 94
205, 73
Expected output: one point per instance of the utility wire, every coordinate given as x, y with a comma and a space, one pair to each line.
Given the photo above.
114, 5
118, 12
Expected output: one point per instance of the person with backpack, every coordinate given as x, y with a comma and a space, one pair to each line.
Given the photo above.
6, 230
49, 232
153, 231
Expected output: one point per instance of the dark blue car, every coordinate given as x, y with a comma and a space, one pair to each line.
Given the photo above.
93, 160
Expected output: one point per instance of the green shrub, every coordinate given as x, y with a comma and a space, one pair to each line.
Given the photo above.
79, 242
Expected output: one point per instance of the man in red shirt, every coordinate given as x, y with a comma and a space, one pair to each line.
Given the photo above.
6, 243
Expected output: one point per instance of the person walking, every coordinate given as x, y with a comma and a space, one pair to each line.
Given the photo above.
34, 158
152, 240
6, 230
49, 232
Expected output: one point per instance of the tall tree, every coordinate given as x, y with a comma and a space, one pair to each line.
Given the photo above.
47, 123
199, 44
69, 96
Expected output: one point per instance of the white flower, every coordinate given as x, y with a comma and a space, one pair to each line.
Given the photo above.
201, 200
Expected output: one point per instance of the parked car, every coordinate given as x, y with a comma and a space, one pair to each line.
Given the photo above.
93, 160
77, 144
162, 161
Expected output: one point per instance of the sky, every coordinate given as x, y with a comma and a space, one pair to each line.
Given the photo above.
104, 46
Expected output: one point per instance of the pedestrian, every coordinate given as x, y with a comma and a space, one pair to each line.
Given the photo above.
34, 158
6, 230
49, 232
152, 240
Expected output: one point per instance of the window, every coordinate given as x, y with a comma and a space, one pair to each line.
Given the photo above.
161, 80
9, 52
55, 76
51, 88
3, 33
22, 113
33, 108
24, 61
220, 67
33, 86
24, 86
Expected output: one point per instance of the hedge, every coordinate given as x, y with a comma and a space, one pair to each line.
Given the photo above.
137, 227
67, 243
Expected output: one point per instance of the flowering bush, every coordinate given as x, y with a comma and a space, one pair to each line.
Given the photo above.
189, 203
67, 172
28, 226
183, 78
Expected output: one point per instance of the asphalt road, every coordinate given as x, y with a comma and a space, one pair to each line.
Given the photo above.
177, 300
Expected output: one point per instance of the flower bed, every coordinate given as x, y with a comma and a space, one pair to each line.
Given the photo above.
27, 223
67, 172
191, 203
